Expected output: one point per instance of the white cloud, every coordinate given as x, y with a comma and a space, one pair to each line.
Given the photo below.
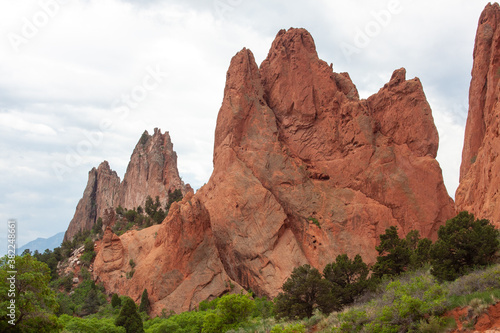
19, 123
68, 77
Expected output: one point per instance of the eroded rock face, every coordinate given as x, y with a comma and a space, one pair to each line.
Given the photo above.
177, 261
100, 193
479, 189
152, 171
303, 171
294, 144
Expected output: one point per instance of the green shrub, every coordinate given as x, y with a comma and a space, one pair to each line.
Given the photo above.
80, 297
463, 244
291, 328
131, 215
402, 305
174, 196
435, 324
208, 305
264, 308
78, 325
86, 258
315, 221
352, 321
97, 227
232, 311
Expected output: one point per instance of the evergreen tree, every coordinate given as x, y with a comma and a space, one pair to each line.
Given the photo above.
145, 305
394, 254
398, 255
175, 196
303, 292
348, 278
129, 318
116, 301
92, 303
463, 244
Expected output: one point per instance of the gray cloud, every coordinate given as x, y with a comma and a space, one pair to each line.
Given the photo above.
69, 76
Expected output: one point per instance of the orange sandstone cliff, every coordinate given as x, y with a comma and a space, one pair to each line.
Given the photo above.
479, 189
304, 170
152, 171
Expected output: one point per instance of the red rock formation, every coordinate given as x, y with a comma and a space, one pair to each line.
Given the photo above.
152, 171
294, 143
177, 261
479, 189
101, 192
303, 171
488, 321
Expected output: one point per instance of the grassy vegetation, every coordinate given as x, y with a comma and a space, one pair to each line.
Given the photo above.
405, 293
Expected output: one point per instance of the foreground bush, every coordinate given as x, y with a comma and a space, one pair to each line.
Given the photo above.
291, 328
463, 244
77, 325
403, 306
35, 302
185, 322
231, 312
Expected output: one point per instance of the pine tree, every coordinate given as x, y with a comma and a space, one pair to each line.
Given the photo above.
129, 318
145, 305
303, 292
116, 301
463, 244
349, 278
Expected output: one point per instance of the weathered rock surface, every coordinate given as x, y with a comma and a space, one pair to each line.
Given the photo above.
479, 189
152, 171
487, 321
295, 144
100, 193
177, 261
304, 170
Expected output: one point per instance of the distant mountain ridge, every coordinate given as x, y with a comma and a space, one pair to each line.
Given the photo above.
41, 244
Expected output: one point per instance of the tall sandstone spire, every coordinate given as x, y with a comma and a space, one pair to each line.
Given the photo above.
479, 189
100, 193
152, 171
304, 170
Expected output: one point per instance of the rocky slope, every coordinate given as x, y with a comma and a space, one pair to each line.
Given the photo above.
152, 171
304, 170
479, 189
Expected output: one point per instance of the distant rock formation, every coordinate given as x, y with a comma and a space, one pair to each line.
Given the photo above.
303, 171
479, 189
152, 171
100, 193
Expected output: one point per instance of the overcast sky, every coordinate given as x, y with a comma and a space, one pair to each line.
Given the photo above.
80, 80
